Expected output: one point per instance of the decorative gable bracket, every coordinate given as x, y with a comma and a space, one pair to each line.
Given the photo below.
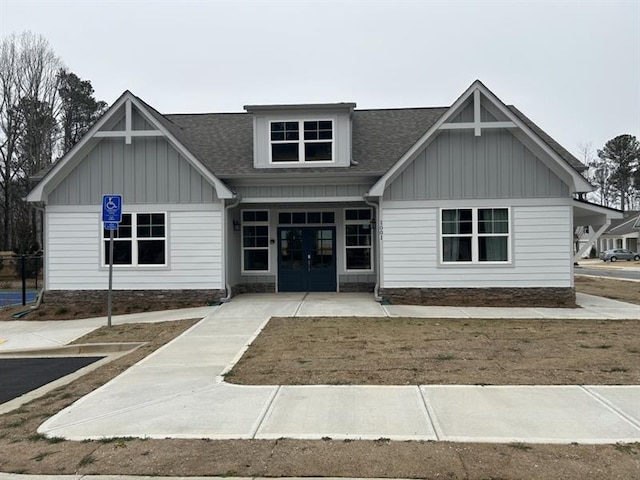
128, 131
478, 124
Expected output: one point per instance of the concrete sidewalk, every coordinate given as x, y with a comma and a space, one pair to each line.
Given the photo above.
178, 391
23, 334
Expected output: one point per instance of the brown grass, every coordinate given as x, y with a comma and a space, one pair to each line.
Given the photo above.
399, 351
623, 290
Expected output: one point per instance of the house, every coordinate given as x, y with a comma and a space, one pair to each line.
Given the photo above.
466, 204
622, 233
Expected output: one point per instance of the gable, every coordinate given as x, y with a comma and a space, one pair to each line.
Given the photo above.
147, 171
135, 129
479, 112
459, 165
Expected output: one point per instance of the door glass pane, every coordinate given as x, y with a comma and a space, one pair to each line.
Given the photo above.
291, 251
322, 251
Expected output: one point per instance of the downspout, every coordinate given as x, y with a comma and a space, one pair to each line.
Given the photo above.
376, 257
40, 295
227, 287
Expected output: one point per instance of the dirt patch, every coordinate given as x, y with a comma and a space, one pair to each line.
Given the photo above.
77, 310
623, 290
23, 450
416, 351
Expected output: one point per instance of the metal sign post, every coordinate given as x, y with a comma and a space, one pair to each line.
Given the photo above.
111, 216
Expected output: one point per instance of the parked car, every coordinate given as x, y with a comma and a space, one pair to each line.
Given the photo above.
616, 254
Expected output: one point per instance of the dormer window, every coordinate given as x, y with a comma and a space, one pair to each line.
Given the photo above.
301, 141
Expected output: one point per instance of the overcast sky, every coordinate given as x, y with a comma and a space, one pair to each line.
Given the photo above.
572, 66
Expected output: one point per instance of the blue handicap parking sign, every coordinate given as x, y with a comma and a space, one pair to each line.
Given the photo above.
112, 208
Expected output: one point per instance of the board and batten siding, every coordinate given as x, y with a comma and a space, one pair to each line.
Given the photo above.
459, 165
541, 251
301, 191
194, 252
148, 171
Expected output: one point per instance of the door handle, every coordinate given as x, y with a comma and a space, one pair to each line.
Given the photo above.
308, 262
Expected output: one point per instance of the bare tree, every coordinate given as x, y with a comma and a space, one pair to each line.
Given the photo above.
28, 109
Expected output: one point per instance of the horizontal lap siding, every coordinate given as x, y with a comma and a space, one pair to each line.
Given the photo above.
194, 253
541, 249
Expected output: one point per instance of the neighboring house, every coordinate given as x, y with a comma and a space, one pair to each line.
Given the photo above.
467, 204
623, 233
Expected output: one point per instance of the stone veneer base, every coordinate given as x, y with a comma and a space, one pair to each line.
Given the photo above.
192, 298
482, 297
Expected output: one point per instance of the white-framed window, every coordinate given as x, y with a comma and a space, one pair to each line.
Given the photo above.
255, 240
358, 239
475, 235
140, 240
301, 141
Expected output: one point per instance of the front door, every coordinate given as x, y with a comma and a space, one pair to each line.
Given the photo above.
306, 259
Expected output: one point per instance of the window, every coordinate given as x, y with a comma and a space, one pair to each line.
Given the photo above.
358, 239
140, 240
475, 235
255, 240
314, 144
299, 218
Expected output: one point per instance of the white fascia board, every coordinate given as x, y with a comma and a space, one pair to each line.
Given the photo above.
222, 190
377, 190
59, 171
592, 208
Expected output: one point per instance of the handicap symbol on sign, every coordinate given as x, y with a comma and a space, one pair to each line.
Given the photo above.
112, 208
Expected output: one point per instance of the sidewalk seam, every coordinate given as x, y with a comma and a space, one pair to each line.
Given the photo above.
295, 314
430, 415
265, 413
608, 404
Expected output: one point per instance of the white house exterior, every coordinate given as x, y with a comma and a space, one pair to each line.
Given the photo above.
471, 203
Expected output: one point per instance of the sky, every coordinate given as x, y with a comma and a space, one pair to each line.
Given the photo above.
573, 67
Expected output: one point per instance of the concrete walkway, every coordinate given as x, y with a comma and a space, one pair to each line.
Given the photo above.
178, 391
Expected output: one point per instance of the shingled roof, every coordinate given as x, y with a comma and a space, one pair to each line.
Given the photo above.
224, 141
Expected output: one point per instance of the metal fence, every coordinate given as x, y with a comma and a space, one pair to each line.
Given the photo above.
20, 278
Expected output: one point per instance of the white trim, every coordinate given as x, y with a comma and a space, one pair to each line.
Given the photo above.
304, 200
140, 208
301, 142
481, 202
476, 126
372, 234
261, 223
134, 239
475, 238
128, 135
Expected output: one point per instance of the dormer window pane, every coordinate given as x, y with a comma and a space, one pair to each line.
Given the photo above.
315, 144
317, 152
284, 152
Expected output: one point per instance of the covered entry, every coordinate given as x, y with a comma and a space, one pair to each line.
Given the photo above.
307, 259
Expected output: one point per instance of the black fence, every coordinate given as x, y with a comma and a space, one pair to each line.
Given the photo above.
20, 278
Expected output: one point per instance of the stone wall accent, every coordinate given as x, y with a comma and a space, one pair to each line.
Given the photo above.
186, 298
357, 287
482, 297
253, 288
